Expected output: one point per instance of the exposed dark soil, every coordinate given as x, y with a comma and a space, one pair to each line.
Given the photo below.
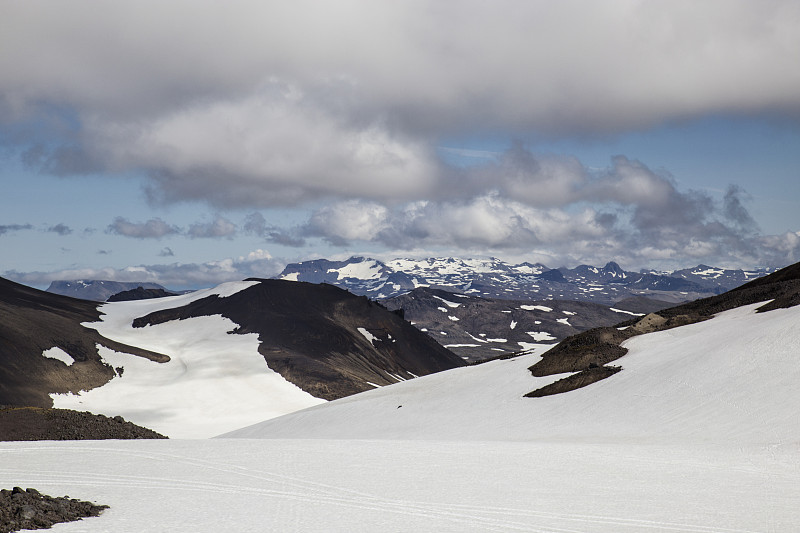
589, 349
588, 352
29, 509
36, 423
575, 381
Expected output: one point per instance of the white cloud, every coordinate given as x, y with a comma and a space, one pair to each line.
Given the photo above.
219, 227
350, 220
155, 228
266, 104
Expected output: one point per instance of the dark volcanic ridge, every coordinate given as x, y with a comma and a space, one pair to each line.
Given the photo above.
323, 339
587, 354
37, 423
30, 509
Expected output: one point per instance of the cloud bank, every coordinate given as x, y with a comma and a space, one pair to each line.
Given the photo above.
254, 105
348, 100
258, 263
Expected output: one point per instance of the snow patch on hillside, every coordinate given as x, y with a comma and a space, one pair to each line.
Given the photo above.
365, 270
58, 354
367, 335
447, 302
540, 336
536, 308
625, 312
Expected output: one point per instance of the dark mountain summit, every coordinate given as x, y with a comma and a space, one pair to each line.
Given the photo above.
139, 293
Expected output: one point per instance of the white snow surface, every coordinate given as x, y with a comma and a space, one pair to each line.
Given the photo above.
536, 308
214, 381
625, 312
58, 354
360, 270
367, 335
731, 379
541, 335
352, 486
698, 433
447, 302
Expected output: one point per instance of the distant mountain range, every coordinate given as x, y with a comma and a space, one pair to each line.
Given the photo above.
725, 372
479, 328
493, 278
96, 290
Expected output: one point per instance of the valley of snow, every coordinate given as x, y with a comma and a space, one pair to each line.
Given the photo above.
214, 381
698, 433
729, 379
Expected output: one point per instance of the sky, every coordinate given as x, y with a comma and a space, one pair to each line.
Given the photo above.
195, 142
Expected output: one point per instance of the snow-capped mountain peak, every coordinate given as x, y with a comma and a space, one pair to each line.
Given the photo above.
494, 278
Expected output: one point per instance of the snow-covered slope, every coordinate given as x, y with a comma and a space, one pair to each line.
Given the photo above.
356, 486
699, 433
214, 381
727, 380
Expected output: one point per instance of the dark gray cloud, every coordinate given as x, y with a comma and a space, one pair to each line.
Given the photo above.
166, 252
735, 210
61, 229
7, 228
256, 224
351, 103
152, 229
217, 228
625, 212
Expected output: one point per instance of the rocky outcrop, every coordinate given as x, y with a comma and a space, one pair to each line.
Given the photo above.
35, 423
30, 509
139, 293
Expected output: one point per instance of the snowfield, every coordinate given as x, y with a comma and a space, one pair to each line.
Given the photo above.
698, 433
731, 379
351, 486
